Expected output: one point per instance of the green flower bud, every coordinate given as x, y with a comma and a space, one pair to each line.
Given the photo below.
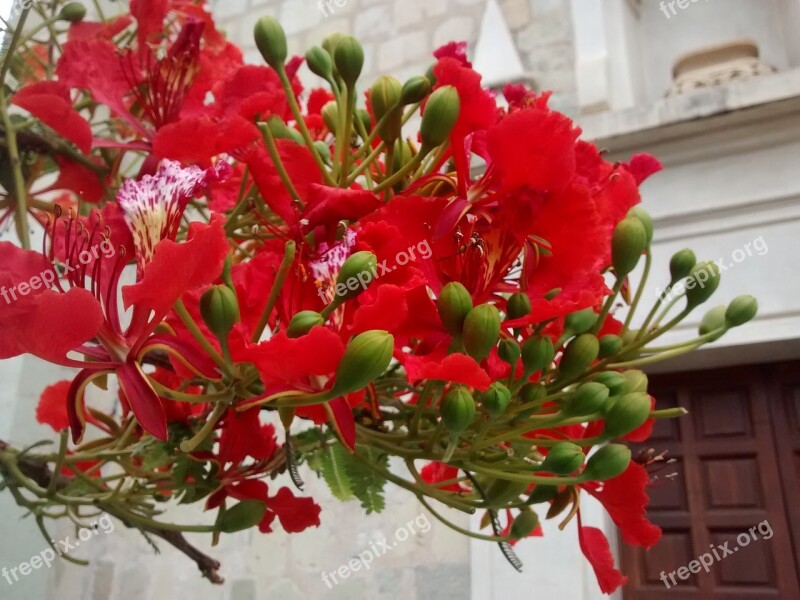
440, 116
356, 274
241, 516
454, 304
563, 458
627, 245
712, 321
531, 393
542, 493
702, 283
457, 409
610, 345
330, 115
303, 322
524, 524
681, 264
271, 41
537, 353
74, 12
635, 381
509, 351
219, 308
348, 56
331, 41
608, 462
519, 305
495, 400
645, 218
366, 357
500, 492
626, 414
629, 338
581, 321
430, 76
281, 131
415, 90
588, 399
614, 381
481, 331
385, 99
578, 356
741, 310
319, 62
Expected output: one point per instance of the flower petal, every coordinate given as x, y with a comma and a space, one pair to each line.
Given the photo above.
597, 551
200, 259
143, 400
49, 102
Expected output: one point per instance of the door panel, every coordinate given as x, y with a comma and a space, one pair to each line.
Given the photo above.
725, 479
785, 403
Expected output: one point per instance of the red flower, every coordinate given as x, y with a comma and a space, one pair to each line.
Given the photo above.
306, 364
52, 408
534, 147
626, 501
436, 472
455, 368
36, 323
295, 514
243, 435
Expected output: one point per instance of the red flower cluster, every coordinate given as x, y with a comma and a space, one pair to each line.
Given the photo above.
289, 254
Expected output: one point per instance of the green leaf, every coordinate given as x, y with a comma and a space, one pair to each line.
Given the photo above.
367, 484
334, 460
348, 477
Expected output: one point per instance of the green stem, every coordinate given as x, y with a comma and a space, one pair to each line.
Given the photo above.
62, 452
272, 148
189, 323
350, 105
525, 478
191, 445
12, 47
365, 163
400, 174
461, 530
20, 188
301, 124
648, 260
277, 286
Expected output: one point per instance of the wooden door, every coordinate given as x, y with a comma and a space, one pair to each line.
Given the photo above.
726, 480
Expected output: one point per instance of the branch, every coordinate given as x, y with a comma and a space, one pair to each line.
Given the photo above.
39, 472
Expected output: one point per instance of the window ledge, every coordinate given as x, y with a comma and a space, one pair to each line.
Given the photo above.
667, 118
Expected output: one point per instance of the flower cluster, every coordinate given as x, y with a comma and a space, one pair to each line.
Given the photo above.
264, 284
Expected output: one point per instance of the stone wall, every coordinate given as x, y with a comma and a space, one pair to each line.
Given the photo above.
399, 36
